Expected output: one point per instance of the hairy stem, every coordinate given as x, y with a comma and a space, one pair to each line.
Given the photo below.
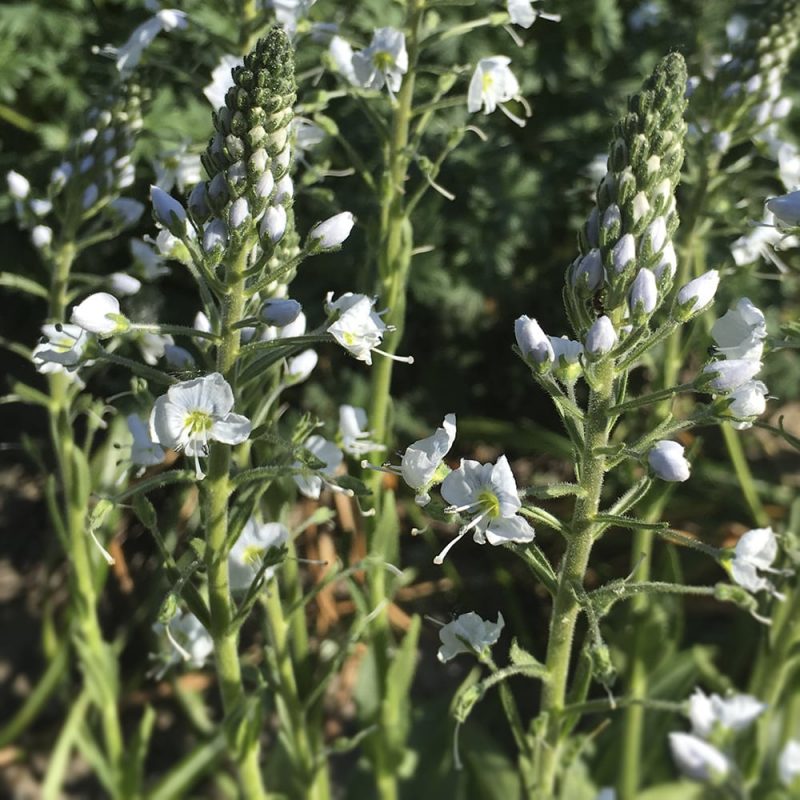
217, 489
576, 558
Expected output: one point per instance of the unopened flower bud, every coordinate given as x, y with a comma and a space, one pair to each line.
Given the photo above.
41, 236
18, 185
264, 185
667, 462
280, 311
239, 213
611, 226
198, 203
331, 232
215, 236
696, 295
533, 343
168, 211
90, 195
665, 269
654, 237
643, 295
567, 355
99, 313
623, 254
601, 338
589, 273
284, 189
786, 209
273, 224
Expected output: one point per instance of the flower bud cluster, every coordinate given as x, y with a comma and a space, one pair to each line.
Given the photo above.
249, 156
627, 258
746, 91
90, 178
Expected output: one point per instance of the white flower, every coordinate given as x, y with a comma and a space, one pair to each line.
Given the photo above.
168, 211
667, 462
565, 351
748, 400
193, 413
385, 61
532, 341
311, 485
786, 209
280, 311
144, 451
148, 260
789, 763
341, 54
754, 553
301, 366
191, 641
523, 14
727, 376
331, 232
492, 85
697, 759
761, 242
358, 328
741, 331
247, 554
178, 168
307, 134
644, 294
289, 12
63, 350
153, 345
99, 313
352, 429
696, 295
490, 492
734, 713
468, 633
600, 338
124, 284
130, 53
422, 461
221, 80
19, 186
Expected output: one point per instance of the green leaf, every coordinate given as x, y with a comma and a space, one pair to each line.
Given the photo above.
397, 709
22, 284
136, 753
354, 485
521, 657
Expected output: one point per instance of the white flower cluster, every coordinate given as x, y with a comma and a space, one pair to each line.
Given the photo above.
739, 336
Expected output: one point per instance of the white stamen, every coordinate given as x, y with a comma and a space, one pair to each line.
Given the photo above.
448, 547
402, 359
106, 555
183, 653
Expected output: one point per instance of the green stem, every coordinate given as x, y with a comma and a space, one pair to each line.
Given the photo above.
744, 475
394, 261
216, 490
312, 777
576, 558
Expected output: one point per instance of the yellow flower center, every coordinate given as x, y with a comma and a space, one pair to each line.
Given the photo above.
488, 81
489, 503
197, 423
383, 60
252, 555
